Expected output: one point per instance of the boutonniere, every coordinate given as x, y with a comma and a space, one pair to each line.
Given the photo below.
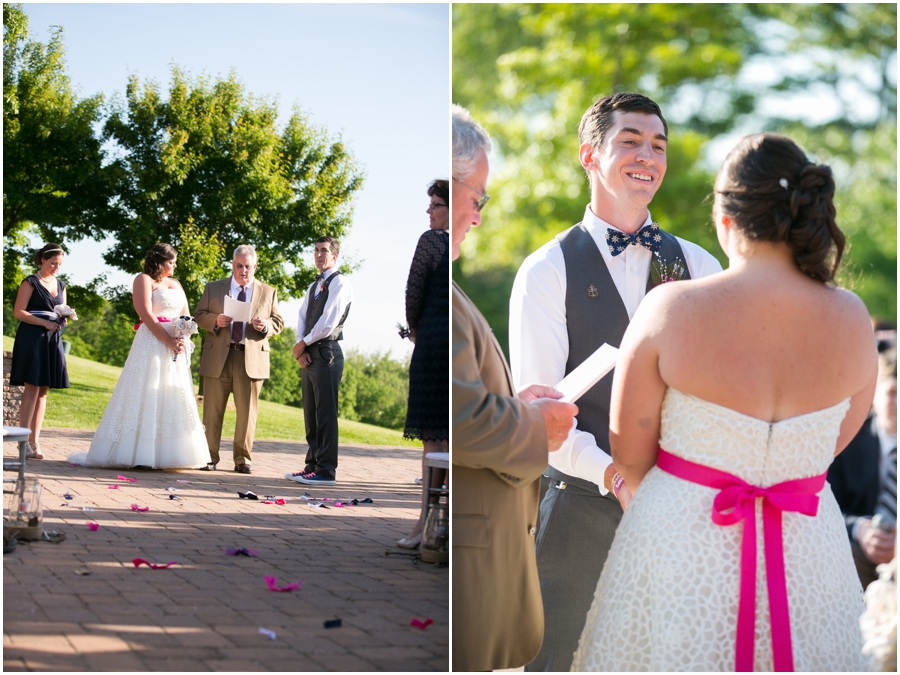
662, 272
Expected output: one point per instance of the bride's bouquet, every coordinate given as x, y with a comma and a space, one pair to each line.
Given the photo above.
183, 326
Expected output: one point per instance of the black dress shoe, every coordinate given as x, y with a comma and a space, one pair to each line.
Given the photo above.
210, 466
242, 468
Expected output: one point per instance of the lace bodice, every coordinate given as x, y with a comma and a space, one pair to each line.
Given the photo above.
167, 302
761, 453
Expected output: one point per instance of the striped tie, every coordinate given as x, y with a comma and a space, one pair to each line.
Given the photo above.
887, 499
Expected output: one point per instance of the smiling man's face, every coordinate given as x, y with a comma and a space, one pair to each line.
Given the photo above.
631, 161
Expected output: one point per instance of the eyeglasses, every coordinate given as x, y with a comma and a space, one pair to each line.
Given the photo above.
481, 202
435, 205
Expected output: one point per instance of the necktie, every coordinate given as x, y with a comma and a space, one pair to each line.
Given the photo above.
237, 327
887, 499
319, 279
648, 237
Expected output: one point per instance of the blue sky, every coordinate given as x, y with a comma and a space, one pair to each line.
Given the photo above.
378, 74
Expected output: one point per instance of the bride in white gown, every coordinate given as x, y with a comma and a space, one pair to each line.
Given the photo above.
151, 419
732, 395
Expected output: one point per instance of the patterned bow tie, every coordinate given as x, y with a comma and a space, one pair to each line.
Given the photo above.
648, 237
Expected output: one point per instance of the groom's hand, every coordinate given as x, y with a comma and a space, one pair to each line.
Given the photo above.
876, 544
222, 320
298, 350
558, 417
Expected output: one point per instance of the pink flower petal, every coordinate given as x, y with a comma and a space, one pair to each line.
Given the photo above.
140, 561
271, 583
93, 527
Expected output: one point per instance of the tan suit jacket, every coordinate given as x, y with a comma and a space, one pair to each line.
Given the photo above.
499, 452
264, 303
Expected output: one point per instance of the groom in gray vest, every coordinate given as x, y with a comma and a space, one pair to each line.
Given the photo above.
570, 296
320, 327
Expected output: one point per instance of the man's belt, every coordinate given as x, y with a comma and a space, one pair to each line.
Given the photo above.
238, 347
324, 339
586, 485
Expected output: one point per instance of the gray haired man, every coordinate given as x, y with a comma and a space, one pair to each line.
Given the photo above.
235, 357
500, 443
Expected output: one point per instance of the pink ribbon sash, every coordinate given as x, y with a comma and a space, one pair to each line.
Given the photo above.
736, 501
161, 319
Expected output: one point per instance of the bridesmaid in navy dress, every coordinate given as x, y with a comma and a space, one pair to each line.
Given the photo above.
38, 361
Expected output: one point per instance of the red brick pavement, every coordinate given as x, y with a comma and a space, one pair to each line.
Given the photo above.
205, 612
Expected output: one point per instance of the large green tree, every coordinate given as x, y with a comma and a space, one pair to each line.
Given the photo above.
54, 185
207, 168
528, 72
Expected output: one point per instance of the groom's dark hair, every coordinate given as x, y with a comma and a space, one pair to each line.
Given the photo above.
333, 244
597, 120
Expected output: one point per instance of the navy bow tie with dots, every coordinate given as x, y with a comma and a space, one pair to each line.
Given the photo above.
648, 237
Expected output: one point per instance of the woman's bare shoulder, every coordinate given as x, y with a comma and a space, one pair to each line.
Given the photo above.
850, 314
143, 280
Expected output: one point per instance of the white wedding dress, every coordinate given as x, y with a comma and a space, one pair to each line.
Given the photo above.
667, 599
151, 419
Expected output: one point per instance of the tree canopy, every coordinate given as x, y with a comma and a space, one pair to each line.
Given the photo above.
205, 166
53, 178
527, 72
207, 169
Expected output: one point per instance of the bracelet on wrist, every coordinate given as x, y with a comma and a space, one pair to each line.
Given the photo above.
617, 483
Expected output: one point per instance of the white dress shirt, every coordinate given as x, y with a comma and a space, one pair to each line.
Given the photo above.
340, 295
539, 342
248, 294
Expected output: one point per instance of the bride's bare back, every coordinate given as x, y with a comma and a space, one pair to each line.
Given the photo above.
768, 342
769, 337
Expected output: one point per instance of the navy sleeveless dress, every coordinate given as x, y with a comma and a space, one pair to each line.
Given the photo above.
38, 356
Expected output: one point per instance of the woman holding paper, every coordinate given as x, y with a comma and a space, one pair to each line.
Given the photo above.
151, 419
38, 360
732, 395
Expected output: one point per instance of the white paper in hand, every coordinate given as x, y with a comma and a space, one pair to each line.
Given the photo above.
590, 372
237, 310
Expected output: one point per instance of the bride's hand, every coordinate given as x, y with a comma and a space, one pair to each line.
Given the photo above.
176, 344
624, 496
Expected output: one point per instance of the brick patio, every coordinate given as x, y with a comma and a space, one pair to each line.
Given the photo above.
205, 612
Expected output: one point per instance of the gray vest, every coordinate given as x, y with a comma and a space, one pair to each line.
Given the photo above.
316, 307
596, 314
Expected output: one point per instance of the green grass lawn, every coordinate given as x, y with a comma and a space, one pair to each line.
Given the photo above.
82, 405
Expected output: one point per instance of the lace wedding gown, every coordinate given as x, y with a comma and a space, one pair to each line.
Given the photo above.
667, 599
151, 419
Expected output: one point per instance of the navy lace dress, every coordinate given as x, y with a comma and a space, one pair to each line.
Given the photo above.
428, 313
38, 356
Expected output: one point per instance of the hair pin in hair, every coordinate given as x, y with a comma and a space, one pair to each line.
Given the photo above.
783, 183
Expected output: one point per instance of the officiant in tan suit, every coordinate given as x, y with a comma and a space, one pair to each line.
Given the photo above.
500, 446
235, 357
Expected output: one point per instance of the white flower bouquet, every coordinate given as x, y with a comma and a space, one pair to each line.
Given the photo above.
183, 326
65, 312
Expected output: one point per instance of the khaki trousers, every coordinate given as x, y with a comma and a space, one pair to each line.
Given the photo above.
233, 380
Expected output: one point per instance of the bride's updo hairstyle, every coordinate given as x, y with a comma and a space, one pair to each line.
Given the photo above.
156, 258
773, 192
